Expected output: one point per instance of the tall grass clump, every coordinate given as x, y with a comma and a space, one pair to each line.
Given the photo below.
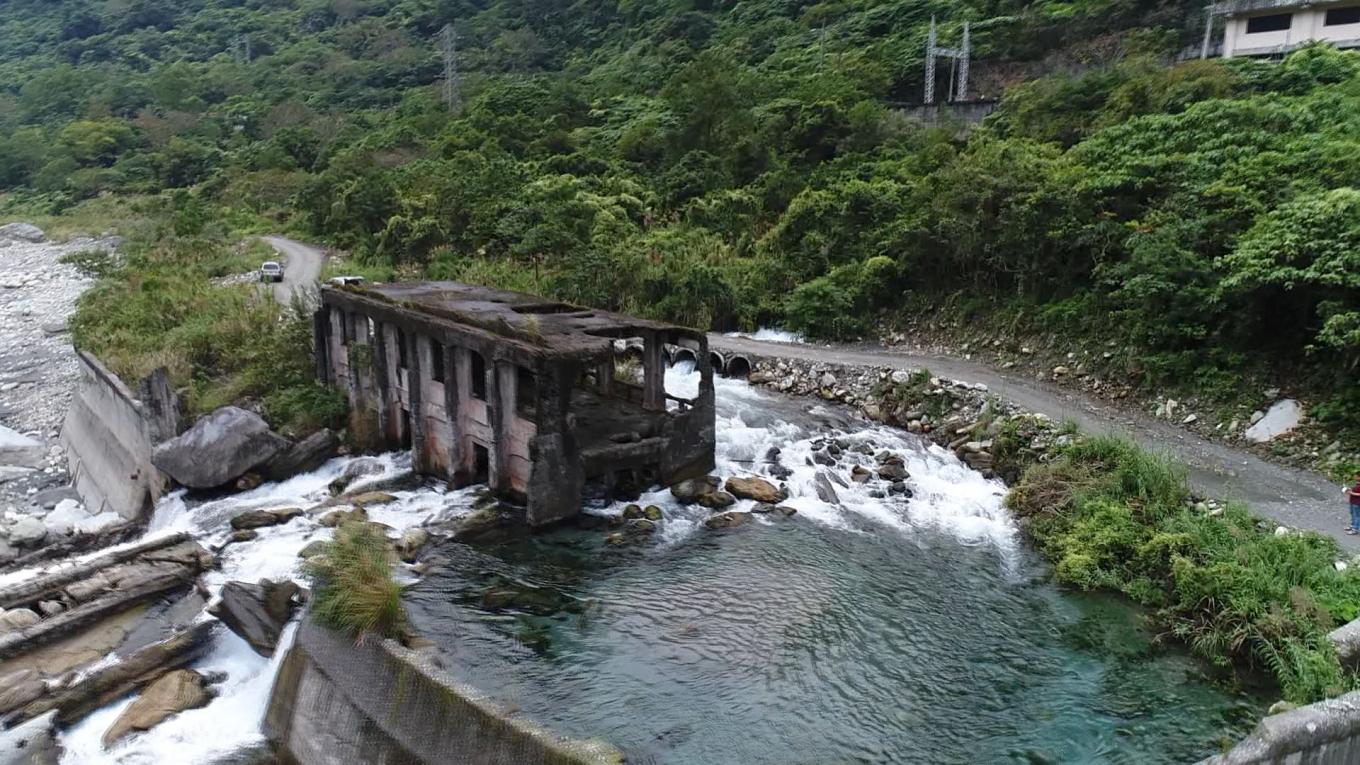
353, 586
1112, 516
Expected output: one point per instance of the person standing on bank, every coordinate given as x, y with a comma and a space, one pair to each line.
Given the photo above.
1354, 494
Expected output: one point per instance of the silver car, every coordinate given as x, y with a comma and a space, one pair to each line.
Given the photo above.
271, 271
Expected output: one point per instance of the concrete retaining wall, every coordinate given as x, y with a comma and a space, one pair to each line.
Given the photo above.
108, 437
1325, 733
337, 703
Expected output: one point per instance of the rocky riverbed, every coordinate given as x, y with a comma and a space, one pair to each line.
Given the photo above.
38, 369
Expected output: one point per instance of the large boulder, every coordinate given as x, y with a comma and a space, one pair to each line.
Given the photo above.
27, 532
1282, 417
753, 488
173, 693
18, 450
31, 743
305, 456
689, 491
22, 232
257, 612
218, 449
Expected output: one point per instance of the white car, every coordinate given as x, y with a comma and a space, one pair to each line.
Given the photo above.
271, 271
341, 281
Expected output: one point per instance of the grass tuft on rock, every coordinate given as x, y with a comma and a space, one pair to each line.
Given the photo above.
1112, 516
353, 586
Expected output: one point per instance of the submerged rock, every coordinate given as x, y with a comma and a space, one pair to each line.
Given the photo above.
360, 468
258, 519
727, 520
173, 693
257, 612
757, 489
218, 449
337, 518
411, 543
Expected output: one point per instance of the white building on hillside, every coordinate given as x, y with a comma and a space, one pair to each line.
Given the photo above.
1275, 27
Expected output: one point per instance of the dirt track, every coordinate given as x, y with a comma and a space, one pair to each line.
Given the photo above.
1288, 495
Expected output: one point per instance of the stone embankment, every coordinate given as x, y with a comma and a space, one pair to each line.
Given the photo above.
37, 370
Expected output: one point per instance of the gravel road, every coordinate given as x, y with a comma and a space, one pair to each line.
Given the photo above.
301, 266
1287, 495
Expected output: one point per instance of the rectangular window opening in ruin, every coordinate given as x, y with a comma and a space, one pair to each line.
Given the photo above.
1275, 22
406, 439
1341, 16
436, 361
402, 361
478, 375
526, 392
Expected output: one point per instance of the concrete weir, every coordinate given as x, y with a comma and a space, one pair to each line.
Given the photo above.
335, 702
545, 402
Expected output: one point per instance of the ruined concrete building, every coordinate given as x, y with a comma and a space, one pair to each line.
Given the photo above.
547, 403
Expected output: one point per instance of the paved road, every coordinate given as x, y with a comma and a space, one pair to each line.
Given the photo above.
301, 266
1293, 497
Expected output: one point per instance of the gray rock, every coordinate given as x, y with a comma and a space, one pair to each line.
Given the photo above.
48, 498
218, 449
22, 232
65, 516
305, 456
411, 543
257, 612
171, 694
1282, 417
689, 492
313, 549
825, 491
18, 450
16, 619
19, 688
359, 468
32, 743
27, 532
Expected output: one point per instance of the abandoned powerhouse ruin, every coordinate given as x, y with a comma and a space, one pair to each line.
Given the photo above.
547, 403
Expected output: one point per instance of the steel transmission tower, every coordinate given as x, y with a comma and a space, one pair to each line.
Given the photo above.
453, 97
959, 59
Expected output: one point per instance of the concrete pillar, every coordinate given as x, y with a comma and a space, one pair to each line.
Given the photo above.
451, 409
653, 373
506, 379
418, 358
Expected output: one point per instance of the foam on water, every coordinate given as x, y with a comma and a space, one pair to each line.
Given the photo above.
770, 335
948, 497
231, 722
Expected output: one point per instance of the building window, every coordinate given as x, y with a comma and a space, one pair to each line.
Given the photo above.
478, 376
1339, 16
436, 361
526, 391
1276, 22
401, 349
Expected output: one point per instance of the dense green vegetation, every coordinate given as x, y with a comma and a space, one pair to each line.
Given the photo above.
157, 306
733, 164
1113, 517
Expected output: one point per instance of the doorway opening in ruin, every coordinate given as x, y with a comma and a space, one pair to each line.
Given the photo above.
482, 464
406, 429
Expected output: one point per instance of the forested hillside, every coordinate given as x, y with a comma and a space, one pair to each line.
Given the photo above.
728, 164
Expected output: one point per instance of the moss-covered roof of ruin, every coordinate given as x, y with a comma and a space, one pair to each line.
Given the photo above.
552, 326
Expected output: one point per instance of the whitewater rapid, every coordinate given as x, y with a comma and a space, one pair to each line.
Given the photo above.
947, 497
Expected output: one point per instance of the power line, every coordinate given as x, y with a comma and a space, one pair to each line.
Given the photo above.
453, 97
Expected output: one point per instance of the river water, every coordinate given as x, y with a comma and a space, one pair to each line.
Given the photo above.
874, 629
